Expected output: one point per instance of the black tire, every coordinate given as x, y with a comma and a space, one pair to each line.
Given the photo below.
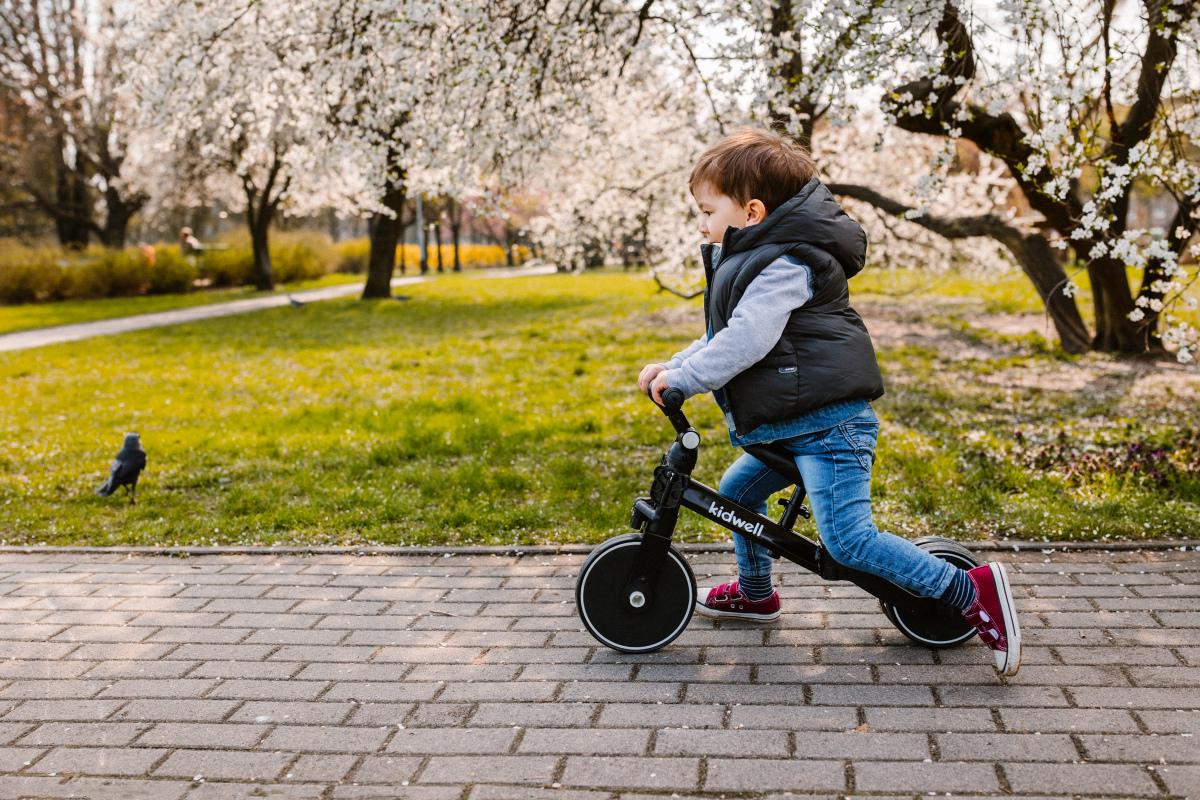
935, 631
603, 604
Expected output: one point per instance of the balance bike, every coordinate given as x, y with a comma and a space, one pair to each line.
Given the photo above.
636, 592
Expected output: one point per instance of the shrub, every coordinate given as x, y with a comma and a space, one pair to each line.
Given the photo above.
353, 255
301, 255
172, 273
29, 274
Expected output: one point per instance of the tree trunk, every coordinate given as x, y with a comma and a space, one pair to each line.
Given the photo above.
455, 230
1036, 259
73, 223
422, 250
509, 242
384, 232
1112, 302
116, 223
264, 276
437, 240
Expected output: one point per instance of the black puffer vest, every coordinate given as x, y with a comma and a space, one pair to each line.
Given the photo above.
825, 354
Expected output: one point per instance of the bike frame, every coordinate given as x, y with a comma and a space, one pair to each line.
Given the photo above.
673, 488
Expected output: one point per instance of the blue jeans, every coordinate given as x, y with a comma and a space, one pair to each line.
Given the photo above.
836, 467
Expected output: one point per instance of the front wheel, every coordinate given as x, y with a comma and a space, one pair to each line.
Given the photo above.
932, 630
630, 621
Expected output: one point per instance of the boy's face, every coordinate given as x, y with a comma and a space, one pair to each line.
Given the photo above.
719, 211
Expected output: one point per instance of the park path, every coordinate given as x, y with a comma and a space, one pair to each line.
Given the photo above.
41, 337
467, 676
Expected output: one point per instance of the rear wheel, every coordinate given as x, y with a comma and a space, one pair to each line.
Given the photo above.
934, 630
623, 618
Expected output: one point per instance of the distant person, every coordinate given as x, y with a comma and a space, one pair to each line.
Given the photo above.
189, 245
790, 362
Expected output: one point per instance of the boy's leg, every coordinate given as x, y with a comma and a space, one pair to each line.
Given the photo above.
836, 468
748, 482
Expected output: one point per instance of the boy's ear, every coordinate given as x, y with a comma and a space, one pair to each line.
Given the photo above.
756, 212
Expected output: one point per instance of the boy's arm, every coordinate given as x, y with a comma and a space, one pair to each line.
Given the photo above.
686, 353
754, 328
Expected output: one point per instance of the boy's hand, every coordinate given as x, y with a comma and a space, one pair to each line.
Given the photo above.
658, 386
648, 374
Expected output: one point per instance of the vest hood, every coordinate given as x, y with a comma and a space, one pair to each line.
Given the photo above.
813, 217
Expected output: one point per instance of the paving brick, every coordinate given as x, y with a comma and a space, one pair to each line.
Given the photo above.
1173, 748
992, 747
253, 670
908, 776
930, 719
1182, 781
486, 672
177, 687
757, 775
228, 790
1088, 696
641, 772
351, 672
1172, 721
83, 733
585, 741
49, 710
1068, 720
92, 788
392, 637
677, 742
641, 692
394, 714
450, 741
328, 653
98, 760
392, 770
269, 690
226, 652
429, 655
194, 734
314, 739
1077, 779
294, 636
324, 767
868, 695
490, 769
39, 689
388, 692
138, 669
538, 714
170, 710
223, 764
12, 759
507, 691
1006, 696
818, 673
797, 718
295, 713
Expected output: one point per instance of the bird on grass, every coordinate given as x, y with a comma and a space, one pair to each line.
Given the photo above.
294, 303
126, 469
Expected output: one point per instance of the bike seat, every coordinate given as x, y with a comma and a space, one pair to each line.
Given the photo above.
777, 458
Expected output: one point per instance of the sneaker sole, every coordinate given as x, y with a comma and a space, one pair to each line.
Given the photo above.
713, 613
1012, 628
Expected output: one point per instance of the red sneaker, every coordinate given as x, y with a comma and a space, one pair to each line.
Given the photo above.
994, 615
727, 602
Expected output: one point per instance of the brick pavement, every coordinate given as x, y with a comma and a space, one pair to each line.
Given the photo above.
469, 677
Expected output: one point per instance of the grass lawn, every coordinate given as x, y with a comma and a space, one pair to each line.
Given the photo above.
67, 312
505, 411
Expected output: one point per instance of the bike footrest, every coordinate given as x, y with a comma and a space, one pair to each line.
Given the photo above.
643, 513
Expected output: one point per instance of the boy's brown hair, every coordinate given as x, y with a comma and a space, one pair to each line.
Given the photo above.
754, 164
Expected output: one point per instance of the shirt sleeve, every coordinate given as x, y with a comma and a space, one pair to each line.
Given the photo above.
754, 328
683, 354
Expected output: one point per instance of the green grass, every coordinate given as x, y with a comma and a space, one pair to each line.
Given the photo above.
505, 411
67, 312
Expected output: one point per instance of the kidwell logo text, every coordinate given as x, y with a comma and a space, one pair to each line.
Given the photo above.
733, 519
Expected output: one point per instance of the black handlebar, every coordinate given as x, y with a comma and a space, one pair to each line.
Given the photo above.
672, 406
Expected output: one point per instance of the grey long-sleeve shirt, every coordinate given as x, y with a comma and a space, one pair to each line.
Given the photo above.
755, 327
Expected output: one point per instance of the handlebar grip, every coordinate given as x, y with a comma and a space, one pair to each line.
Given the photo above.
673, 399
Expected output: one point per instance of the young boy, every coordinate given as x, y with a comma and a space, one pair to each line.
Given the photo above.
790, 362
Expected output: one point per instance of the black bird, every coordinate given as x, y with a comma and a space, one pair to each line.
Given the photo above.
126, 468
295, 303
